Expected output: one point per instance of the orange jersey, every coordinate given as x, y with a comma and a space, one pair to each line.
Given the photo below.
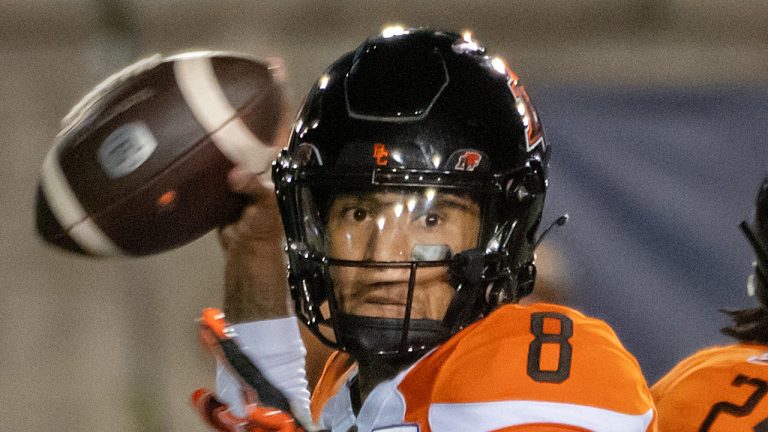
535, 368
716, 389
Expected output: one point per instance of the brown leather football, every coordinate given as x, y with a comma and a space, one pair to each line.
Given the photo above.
140, 165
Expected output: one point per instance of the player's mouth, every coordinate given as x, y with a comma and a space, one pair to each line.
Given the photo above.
384, 299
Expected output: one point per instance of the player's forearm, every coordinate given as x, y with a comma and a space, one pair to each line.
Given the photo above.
256, 286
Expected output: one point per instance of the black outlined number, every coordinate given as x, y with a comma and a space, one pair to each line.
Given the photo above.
761, 388
563, 370
761, 427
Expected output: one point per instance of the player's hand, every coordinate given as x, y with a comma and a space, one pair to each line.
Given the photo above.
258, 418
260, 220
256, 276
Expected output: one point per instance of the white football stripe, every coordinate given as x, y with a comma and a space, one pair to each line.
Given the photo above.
490, 416
69, 213
88, 235
205, 97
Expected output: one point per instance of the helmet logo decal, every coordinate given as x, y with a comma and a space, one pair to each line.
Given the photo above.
468, 161
533, 133
380, 153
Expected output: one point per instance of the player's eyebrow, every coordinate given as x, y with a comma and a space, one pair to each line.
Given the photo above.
455, 201
354, 200
446, 203
445, 200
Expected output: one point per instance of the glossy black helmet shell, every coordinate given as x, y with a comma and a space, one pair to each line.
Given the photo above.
429, 92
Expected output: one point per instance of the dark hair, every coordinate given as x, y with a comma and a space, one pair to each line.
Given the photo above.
749, 325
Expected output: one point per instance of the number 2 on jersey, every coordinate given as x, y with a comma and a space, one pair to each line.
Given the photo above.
761, 388
560, 339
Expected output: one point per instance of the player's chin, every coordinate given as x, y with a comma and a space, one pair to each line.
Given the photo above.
380, 310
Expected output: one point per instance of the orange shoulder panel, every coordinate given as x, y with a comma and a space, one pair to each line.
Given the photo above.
716, 389
335, 374
541, 352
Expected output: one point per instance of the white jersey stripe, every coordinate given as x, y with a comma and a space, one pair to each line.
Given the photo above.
205, 97
69, 213
490, 416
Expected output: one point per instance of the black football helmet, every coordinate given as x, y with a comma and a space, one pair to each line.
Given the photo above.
414, 111
758, 239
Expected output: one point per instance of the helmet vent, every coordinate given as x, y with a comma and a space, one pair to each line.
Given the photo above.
382, 85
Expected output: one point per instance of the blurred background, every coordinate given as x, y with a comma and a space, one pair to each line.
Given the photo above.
655, 110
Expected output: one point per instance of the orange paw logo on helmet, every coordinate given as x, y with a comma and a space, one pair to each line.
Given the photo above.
468, 161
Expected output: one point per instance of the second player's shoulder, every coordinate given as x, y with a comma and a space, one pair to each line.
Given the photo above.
701, 367
718, 388
724, 356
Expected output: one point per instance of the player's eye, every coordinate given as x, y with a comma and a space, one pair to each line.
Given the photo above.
431, 220
359, 214
355, 214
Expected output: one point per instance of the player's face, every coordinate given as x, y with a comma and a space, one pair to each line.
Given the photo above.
396, 227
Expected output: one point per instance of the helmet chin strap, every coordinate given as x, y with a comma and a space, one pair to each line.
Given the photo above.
394, 341
381, 339
466, 273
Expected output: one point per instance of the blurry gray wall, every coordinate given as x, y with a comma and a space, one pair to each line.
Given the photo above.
90, 345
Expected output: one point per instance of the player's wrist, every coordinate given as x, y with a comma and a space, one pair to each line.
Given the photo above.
247, 249
255, 287
256, 311
246, 301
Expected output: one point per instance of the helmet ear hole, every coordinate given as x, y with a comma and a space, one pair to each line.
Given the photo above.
495, 293
504, 290
523, 186
499, 292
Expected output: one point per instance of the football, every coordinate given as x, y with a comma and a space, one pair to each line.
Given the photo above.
140, 165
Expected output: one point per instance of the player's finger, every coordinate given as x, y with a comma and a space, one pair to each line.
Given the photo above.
244, 181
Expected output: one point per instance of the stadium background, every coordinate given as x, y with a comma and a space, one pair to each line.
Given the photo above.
656, 112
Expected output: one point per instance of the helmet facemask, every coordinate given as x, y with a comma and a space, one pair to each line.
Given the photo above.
392, 263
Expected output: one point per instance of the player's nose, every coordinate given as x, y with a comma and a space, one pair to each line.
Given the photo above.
390, 240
